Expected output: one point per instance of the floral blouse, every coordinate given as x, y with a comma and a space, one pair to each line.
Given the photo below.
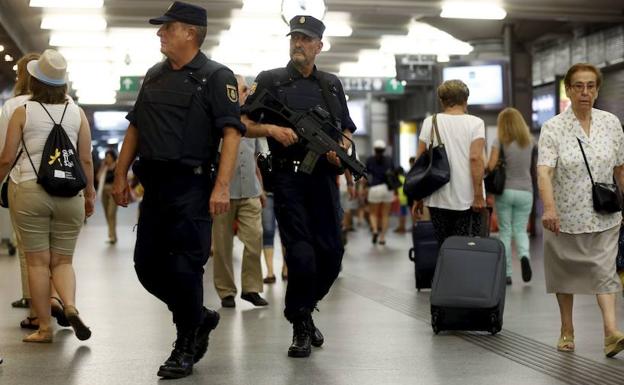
559, 148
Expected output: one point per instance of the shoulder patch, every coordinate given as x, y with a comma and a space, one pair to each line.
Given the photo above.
232, 93
253, 88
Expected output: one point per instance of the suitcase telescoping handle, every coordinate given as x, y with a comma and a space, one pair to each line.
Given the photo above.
484, 228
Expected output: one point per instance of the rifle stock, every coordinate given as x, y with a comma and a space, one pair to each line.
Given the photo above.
309, 128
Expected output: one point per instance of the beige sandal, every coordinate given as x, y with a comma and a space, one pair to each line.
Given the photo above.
614, 344
566, 344
40, 336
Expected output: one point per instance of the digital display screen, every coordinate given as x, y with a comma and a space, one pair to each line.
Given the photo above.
357, 111
544, 104
485, 83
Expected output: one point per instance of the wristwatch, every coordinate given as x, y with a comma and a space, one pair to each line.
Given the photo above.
292, 8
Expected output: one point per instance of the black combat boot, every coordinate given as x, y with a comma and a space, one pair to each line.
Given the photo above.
180, 362
301, 340
316, 336
209, 323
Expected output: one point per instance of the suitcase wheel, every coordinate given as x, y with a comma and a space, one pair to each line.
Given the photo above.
495, 325
435, 322
411, 254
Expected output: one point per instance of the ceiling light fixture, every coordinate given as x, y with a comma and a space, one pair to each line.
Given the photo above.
1, 48
67, 3
74, 22
8, 58
473, 10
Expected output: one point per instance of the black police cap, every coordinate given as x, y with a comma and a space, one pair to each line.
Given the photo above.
183, 12
307, 25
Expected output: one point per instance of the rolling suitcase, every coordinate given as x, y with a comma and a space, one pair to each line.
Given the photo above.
424, 253
468, 288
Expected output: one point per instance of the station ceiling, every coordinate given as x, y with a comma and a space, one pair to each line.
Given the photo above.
370, 19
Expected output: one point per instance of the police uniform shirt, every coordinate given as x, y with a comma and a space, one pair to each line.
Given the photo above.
300, 94
219, 98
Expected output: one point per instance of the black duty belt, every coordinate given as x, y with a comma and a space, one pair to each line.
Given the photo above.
174, 168
285, 164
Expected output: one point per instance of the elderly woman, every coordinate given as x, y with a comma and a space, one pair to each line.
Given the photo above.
453, 206
514, 205
48, 225
580, 246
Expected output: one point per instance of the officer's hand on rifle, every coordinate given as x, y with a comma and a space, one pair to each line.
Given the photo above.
333, 158
121, 190
285, 135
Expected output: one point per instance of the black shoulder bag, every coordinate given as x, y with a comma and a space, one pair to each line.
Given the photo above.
431, 170
495, 179
4, 190
606, 197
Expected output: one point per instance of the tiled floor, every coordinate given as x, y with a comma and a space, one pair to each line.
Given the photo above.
375, 325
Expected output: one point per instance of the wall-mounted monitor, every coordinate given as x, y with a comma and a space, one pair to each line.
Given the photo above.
357, 111
485, 80
545, 104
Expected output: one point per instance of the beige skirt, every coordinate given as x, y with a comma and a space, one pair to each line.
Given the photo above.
581, 263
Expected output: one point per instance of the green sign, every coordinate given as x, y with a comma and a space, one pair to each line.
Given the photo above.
394, 86
130, 83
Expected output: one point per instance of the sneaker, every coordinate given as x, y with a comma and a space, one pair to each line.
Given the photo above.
301, 341
210, 322
228, 301
254, 298
527, 273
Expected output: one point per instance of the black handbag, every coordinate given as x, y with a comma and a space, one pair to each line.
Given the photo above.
606, 197
4, 190
495, 179
392, 180
619, 262
431, 170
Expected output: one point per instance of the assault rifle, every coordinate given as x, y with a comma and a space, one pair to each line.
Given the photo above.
309, 128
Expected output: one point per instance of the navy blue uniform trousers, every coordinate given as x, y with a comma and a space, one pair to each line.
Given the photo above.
308, 212
173, 239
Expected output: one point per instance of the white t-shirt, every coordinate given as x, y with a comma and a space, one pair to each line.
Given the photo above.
36, 130
457, 133
8, 109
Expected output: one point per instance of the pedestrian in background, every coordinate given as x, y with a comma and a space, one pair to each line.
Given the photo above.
513, 206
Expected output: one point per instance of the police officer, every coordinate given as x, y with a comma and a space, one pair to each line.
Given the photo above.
185, 105
307, 206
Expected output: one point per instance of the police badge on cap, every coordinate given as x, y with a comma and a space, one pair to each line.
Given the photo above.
307, 25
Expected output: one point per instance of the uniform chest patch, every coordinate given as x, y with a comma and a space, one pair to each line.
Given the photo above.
253, 88
232, 93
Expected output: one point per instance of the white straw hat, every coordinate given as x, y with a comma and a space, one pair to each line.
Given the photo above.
50, 69
380, 144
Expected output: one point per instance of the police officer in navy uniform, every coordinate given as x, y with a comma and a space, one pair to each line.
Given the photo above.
307, 206
186, 104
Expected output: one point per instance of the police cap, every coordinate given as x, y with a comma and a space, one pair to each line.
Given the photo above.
183, 12
307, 25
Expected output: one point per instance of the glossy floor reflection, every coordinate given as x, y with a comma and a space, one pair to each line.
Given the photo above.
374, 321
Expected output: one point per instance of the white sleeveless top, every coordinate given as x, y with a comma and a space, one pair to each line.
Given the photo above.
36, 130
